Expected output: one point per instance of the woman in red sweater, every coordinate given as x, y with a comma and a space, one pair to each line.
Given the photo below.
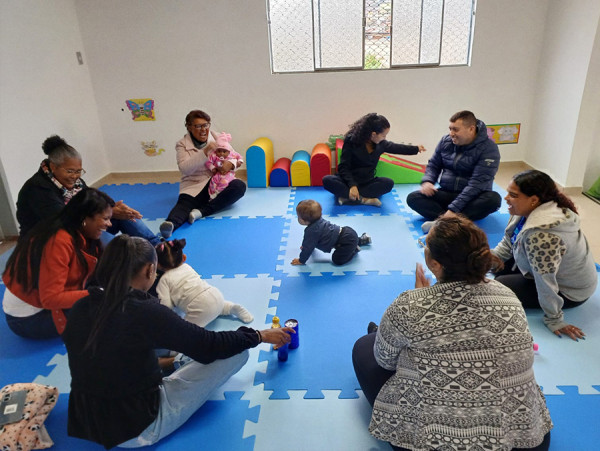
48, 269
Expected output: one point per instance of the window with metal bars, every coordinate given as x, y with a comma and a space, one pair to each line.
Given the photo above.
327, 35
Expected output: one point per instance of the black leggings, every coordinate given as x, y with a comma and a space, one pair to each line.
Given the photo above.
186, 203
375, 187
430, 207
524, 288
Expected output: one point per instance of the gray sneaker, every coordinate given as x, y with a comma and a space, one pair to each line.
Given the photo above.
166, 229
194, 214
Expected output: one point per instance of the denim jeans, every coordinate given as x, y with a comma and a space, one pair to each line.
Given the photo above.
184, 392
132, 227
39, 326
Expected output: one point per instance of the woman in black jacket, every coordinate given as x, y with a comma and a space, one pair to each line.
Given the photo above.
364, 143
118, 395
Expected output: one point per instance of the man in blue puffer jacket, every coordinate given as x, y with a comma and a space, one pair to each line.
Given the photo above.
464, 163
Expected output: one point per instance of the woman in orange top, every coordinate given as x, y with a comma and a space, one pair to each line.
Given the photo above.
46, 273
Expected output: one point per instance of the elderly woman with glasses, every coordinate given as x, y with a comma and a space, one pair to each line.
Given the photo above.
194, 201
57, 181
451, 364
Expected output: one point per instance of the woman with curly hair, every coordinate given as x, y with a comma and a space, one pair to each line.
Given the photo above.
364, 143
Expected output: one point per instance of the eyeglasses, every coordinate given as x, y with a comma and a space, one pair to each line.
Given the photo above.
421, 241
78, 172
204, 126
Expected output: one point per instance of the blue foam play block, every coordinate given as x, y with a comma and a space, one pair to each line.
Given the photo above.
338, 307
279, 178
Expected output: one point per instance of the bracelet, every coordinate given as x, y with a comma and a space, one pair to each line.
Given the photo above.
259, 336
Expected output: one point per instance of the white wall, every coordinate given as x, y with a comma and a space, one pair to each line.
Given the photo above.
214, 55
563, 71
589, 131
43, 90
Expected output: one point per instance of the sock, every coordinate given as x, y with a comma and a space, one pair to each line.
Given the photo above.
426, 226
244, 315
194, 214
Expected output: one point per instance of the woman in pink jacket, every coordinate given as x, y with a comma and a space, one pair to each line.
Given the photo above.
194, 200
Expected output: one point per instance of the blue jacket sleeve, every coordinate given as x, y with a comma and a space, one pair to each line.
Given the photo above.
434, 166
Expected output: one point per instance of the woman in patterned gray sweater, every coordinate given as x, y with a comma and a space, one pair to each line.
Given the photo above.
451, 365
548, 262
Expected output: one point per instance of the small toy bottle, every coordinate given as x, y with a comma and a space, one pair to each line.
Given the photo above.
282, 352
276, 324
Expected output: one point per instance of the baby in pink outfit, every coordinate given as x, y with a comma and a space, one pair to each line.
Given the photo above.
223, 152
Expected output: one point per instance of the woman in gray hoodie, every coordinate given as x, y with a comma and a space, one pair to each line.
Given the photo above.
548, 262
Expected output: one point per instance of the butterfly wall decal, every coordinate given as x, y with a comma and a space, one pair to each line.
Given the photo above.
141, 109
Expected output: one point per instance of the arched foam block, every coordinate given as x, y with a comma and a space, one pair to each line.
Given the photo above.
320, 164
259, 162
280, 174
300, 168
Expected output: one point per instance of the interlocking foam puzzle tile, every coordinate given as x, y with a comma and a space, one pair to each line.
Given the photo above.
151, 200
217, 425
232, 246
206, 428
394, 247
493, 225
576, 418
330, 206
562, 361
259, 202
60, 376
332, 313
22, 360
313, 424
255, 294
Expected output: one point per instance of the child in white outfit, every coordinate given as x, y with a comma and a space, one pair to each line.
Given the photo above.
182, 287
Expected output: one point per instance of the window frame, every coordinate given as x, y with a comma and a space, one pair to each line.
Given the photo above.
315, 44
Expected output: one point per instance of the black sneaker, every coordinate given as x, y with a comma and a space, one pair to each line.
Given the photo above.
364, 240
372, 327
166, 229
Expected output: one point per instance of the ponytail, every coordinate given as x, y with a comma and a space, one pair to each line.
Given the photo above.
123, 258
537, 183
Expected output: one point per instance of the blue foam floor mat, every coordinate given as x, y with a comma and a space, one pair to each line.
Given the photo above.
313, 400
